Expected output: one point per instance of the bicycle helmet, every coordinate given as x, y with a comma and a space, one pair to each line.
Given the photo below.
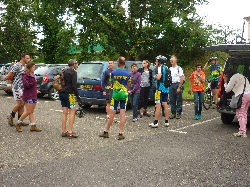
212, 58
161, 59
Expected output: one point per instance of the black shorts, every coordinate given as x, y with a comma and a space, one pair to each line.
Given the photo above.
214, 85
109, 93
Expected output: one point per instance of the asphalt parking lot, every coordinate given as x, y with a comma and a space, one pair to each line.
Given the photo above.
188, 153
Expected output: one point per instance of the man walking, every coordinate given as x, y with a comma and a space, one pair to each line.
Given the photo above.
67, 99
175, 92
106, 86
161, 93
120, 78
15, 75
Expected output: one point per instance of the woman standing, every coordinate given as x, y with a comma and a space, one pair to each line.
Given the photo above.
146, 84
29, 97
236, 84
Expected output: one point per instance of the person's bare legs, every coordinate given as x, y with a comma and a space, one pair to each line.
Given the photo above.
30, 107
64, 118
122, 120
157, 111
166, 110
72, 113
215, 93
110, 120
108, 109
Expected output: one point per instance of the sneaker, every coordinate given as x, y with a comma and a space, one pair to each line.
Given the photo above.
120, 137
18, 128
72, 135
178, 116
10, 120
172, 116
104, 134
199, 116
167, 124
35, 128
153, 125
135, 119
240, 134
196, 117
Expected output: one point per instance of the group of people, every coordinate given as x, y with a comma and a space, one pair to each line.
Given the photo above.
119, 84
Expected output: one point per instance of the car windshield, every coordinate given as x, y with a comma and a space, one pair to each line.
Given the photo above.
40, 71
89, 71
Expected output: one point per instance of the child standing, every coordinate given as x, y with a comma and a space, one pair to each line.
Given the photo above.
197, 79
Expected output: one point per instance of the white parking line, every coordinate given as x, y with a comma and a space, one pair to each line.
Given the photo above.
182, 132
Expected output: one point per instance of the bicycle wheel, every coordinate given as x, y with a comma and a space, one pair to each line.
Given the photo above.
208, 99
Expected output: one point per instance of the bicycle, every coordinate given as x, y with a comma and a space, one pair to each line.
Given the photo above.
208, 96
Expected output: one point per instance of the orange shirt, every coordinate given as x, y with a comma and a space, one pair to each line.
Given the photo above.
197, 85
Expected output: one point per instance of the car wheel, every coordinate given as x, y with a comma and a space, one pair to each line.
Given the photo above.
87, 106
227, 118
53, 94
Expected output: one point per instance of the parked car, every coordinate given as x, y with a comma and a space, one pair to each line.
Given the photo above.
5, 83
89, 76
239, 60
44, 76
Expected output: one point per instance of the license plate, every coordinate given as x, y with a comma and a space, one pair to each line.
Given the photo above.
86, 86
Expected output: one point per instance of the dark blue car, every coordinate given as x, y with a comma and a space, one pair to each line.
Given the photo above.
89, 76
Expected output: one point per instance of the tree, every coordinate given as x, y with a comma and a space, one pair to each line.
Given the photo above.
16, 34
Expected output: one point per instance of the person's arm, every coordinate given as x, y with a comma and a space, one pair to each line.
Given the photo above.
159, 74
206, 66
201, 77
229, 86
74, 85
103, 81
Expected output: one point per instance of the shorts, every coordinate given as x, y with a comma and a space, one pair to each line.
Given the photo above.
161, 97
17, 93
114, 104
214, 85
109, 93
31, 101
67, 100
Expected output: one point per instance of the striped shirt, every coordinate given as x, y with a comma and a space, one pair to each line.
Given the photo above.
18, 70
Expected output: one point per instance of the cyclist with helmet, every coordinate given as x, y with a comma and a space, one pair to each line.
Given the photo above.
175, 90
161, 93
215, 70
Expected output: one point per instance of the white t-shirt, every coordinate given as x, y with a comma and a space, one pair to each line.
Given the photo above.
175, 74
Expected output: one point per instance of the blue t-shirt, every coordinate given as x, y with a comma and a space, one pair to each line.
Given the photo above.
119, 79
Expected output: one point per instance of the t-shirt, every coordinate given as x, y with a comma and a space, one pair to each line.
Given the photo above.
18, 70
120, 78
145, 82
215, 72
176, 72
197, 85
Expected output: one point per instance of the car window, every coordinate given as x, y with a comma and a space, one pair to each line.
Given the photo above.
89, 71
40, 71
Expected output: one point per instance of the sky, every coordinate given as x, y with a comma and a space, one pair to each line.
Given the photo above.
226, 12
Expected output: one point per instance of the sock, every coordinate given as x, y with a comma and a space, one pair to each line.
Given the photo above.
120, 133
13, 114
156, 121
18, 117
32, 123
166, 121
105, 132
18, 121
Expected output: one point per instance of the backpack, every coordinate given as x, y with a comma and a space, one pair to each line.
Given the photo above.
166, 78
58, 82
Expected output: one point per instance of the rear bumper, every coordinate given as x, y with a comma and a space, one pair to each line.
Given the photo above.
93, 101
